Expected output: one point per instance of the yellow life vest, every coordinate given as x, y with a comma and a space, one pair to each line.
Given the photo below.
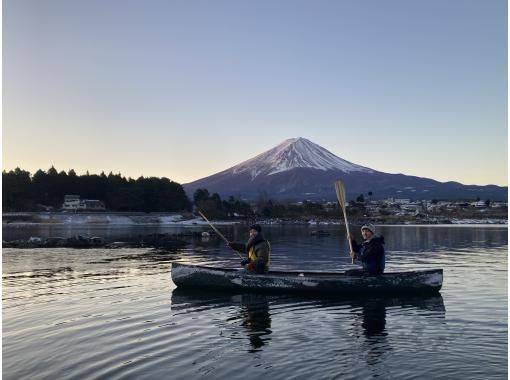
253, 257
251, 254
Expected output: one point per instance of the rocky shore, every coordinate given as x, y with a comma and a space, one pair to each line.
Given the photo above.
158, 241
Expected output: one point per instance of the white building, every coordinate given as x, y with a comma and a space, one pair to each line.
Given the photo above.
71, 202
91, 205
479, 204
74, 203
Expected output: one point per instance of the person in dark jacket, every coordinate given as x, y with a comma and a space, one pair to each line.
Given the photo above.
257, 250
370, 252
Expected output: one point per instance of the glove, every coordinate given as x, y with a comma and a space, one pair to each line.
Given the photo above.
245, 262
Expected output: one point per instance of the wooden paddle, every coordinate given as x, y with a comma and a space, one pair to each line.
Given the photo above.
220, 234
340, 194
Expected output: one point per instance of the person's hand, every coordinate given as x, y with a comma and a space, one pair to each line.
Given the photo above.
353, 255
230, 244
245, 262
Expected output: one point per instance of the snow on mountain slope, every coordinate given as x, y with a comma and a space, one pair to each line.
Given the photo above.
295, 153
298, 169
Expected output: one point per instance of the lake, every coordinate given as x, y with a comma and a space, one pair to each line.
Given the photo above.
116, 314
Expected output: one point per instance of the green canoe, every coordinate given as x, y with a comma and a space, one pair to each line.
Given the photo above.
201, 277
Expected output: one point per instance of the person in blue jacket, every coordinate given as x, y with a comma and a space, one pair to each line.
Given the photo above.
370, 253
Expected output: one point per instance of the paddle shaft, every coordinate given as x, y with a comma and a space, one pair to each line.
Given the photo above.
348, 232
340, 194
219, 233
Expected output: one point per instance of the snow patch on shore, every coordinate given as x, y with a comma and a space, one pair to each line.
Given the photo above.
113, 219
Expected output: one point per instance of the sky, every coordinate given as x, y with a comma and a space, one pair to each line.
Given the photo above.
185, 89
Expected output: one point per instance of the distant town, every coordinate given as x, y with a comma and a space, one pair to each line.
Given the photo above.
387, 211
59, 192
376, 209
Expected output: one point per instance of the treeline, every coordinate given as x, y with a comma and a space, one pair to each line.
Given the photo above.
23, 192
305, 209
214, 207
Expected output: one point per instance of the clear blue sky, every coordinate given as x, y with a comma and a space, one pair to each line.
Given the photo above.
184, 89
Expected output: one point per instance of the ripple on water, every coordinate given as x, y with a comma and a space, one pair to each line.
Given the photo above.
116, 314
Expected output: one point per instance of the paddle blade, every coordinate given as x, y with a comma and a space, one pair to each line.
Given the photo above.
340, 193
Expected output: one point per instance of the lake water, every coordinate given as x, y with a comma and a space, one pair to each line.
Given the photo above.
116, 314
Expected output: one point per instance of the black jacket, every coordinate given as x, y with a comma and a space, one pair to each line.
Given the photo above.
371, 254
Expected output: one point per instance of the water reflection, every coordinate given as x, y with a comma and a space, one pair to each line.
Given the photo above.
373, 327
411, 237
112, 314
254, 311
374, 318
377, 333
251, 311
433, 238
251, 315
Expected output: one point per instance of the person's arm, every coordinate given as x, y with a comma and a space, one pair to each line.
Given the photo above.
355, 246
241, 248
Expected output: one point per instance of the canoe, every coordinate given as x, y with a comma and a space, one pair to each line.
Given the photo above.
227, 279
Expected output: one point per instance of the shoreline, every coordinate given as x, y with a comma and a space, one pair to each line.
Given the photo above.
188, 220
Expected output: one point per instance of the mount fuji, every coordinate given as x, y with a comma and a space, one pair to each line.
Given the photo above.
299, 169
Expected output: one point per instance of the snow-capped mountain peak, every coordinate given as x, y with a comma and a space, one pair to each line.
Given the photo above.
299, 169
295, 153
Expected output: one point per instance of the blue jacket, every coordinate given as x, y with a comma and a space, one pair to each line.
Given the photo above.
371, 254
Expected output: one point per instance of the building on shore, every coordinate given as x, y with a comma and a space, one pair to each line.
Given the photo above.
74, 203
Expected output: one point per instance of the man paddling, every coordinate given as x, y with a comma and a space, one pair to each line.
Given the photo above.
257, 249
370, 252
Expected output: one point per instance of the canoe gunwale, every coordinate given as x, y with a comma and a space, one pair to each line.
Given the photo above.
318, 274
196, 276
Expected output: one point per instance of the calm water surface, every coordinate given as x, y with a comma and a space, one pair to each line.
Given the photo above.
115, 314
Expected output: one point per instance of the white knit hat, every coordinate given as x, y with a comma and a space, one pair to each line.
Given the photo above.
368, 226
